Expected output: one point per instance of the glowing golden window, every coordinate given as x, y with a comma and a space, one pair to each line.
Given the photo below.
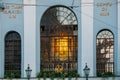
58, 37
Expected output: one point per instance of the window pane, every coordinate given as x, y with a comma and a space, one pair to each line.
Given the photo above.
12, 54
105, 50
59, 47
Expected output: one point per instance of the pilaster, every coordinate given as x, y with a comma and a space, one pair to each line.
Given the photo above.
118, 65
30, 36
87, 35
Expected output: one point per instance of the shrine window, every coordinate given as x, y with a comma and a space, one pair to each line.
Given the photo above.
59, 40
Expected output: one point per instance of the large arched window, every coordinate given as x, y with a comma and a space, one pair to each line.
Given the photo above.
12, 55
105, 53
58, 40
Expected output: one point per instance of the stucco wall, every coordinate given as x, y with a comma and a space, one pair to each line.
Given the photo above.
87, 35
118, 38
27, 24
11, 19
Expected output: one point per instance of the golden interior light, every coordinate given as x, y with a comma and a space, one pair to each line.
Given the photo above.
61, 48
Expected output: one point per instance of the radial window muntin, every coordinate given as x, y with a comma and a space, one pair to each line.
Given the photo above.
105, 52
59, 47
65, 16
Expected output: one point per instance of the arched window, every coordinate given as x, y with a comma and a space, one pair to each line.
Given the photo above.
13, 55
59, 40
105, 53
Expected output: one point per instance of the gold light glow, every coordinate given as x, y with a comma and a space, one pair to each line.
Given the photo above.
61, 48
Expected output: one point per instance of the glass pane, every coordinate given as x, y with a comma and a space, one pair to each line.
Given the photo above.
12, 55
59, 45
105, 52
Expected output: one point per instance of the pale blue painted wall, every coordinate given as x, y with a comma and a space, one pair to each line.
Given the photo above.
10, 24
118, 38
106, 22
89, 24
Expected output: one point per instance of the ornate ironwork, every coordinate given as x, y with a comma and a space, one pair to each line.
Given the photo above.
59, 45
12, 54
105, 52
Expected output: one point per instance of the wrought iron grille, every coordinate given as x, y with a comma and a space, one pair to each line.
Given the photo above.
12, 55
58, 40
105, 52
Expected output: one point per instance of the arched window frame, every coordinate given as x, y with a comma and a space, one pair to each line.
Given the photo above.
105, 53
12, 55
44, 31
